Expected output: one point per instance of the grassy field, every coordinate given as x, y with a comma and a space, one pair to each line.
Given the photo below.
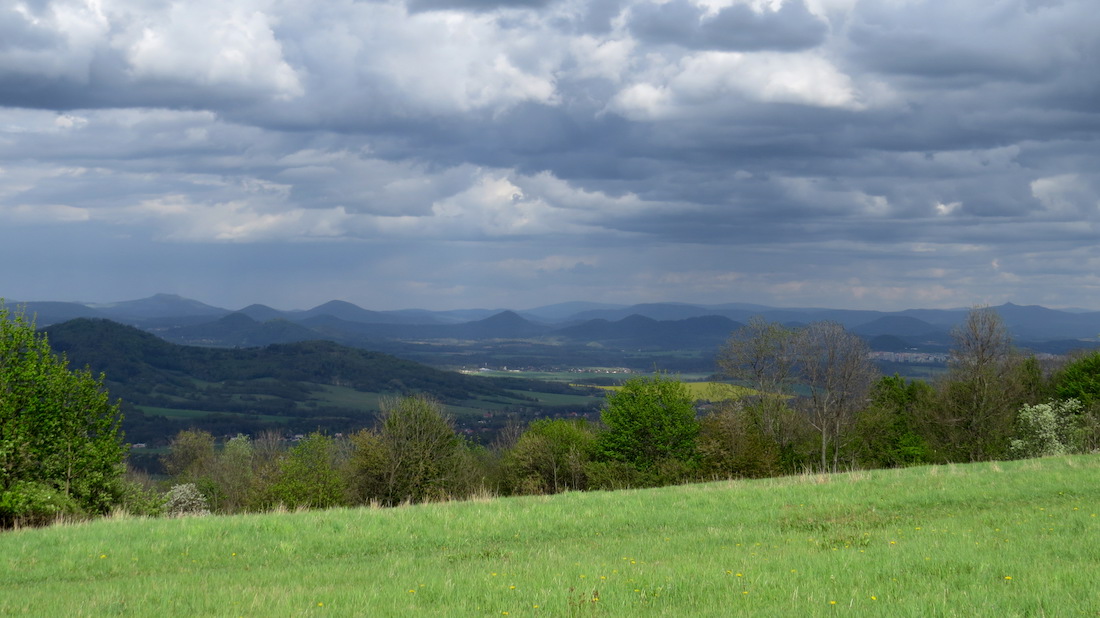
991, 539
712, 391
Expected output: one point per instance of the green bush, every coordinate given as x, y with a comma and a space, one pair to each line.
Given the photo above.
35, 504
60, 437
309, 475
1047, 429
649, 420
550, 457
733, 443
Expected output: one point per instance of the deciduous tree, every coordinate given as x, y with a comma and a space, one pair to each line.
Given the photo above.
59, 433
649, 421
836, 368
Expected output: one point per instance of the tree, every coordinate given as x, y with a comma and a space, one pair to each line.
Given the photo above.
550, 457
1080, 380
422, 458
309, 476
762, 355
649, 421
836, 368
1047, 429
733, 443
986, 383
886, 431
60, 438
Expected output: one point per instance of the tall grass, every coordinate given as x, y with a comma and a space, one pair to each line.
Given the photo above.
1003, 539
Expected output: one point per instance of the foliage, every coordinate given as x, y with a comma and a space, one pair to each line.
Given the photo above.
764, 355
550, 457
836, 369
309, 475
1080, 380
886, 432
986, 383
1046, 429
27, 503
878, 543
648, 421
233, 474
415, 456
733, 443
140, 500
190, 455
184, 500
59, 433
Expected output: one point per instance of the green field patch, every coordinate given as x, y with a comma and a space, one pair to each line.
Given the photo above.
194, 414
998, 539
710, 391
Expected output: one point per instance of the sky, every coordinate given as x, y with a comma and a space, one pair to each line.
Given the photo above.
442, 154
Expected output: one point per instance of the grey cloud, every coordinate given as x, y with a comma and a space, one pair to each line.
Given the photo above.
965, 142
734, 28
416, 6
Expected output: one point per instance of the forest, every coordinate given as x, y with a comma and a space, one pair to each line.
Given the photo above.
812, 401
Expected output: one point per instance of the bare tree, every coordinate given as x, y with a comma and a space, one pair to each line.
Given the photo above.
981, 392
762, 356
836, 368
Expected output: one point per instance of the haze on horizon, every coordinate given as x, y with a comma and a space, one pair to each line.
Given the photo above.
516, 153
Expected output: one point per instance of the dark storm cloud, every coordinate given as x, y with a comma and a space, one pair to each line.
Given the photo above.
733, 28
458, 152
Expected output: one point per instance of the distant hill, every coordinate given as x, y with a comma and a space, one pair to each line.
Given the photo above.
896, 325
305, 384
239, 330
157, 306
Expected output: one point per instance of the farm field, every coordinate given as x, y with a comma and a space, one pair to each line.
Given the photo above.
988, 539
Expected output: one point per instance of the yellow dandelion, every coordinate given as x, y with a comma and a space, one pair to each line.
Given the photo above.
832, 602
874, 598
320, 604
1008, 577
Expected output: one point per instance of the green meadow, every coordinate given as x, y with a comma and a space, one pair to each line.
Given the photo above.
999, 539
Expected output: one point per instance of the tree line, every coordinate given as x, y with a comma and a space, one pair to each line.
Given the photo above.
816, 403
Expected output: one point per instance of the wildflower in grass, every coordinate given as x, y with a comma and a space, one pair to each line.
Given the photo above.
832, 602
1008, 577
874, 598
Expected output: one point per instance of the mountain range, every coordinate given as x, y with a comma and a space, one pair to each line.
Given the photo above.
645, 326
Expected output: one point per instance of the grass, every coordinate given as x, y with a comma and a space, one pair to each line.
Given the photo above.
992, 539
711, 391
190, 414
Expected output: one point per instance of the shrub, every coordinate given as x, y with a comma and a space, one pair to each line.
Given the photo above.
550, 457
60, 433
309, 476
35, 504
649, 420
1048, 429
185, 500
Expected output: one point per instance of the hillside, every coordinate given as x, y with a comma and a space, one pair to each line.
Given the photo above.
296, 386
999, 539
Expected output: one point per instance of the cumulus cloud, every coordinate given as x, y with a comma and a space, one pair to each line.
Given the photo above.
796, 151
737, 27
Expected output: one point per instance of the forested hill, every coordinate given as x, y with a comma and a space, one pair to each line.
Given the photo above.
136, 360
318, 383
